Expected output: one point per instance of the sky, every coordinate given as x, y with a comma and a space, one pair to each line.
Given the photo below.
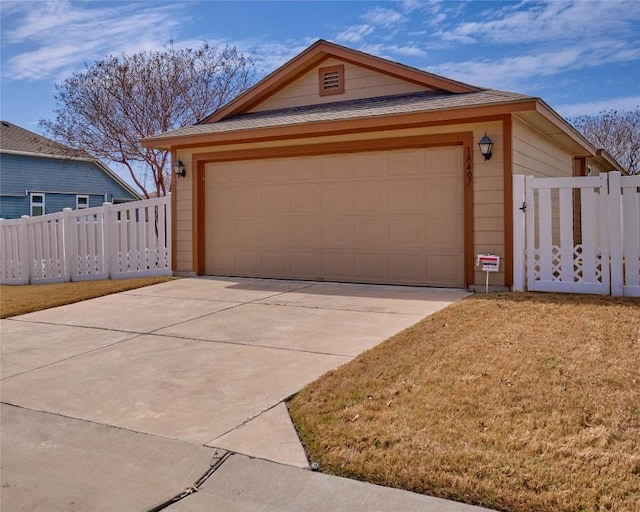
581, 57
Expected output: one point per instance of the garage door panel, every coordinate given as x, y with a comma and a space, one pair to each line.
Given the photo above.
407, 231
407, 268
337, 265
222, 200
405, 163
275, 263
337, 232
276, 232
336, 166
337, 198
247, 200
275, 199
306, 265
407, 196
371, 165
304, 168
306, 198
371, 232
369, 267
370, 198
248, 232
276, 170
306, 231
444, 269
224, 174
221, 259
223, 231
444, 232
392, 217
444, 195
439, 161
246, 172
248, 262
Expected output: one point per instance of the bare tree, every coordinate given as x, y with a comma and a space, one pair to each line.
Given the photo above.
616, 132
113, 103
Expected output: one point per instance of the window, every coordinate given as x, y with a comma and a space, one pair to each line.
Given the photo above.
331, 80
82, 202
37, 205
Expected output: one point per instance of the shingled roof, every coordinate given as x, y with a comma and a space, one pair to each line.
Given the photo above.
16, 139
368, 107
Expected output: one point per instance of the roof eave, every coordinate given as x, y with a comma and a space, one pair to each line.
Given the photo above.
318, 128
45, 155
609, 160
551, 115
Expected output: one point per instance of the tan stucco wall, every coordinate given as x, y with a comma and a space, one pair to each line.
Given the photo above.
487, 182
359, 83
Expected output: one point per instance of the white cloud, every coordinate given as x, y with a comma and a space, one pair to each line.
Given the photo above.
516, 70
625, 103
383, 17
354, 34
61, 35
549, 22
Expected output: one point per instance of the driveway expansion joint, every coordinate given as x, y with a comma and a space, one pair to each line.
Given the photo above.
92, 422
216, 462
243, 423
235, 305
252, 344
418, 315
134, 336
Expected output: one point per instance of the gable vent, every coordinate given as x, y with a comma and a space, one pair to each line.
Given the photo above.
331, 80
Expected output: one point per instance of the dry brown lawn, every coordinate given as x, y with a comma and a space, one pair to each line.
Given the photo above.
517, 402
18, 300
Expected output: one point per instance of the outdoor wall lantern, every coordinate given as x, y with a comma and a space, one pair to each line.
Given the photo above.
485, 146
179, 169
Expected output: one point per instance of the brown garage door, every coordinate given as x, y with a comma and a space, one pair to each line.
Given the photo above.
374, 217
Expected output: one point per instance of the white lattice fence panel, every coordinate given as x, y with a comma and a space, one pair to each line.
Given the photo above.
556, 259
89, 260
14, 267
128, 240
46, 243
141, 239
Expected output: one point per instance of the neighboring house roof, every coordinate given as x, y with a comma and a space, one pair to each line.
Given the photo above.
15, 139
20, 141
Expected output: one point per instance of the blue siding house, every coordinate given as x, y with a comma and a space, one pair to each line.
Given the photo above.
39, 175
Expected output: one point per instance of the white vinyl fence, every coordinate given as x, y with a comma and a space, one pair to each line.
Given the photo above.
112, 241
579, 235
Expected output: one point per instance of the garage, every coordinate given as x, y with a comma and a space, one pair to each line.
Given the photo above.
393, 217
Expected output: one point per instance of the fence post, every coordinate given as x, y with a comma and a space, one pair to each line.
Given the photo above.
26, 266
168, 232
614, 238
518, 233
67, 251
108, 237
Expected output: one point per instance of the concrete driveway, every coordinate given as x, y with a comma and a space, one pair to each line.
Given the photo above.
123, 401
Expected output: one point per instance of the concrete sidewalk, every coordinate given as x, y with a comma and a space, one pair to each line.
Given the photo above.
184, 367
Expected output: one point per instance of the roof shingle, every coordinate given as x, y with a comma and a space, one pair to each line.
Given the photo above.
17, 139
353, 109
